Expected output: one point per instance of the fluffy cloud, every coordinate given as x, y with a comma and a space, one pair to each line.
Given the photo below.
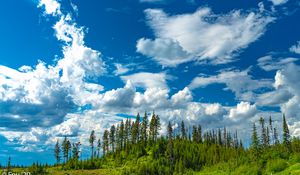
239, 82
296, 48
288, 78
243, 111
52, 7
201, 36
269, 63
41, 96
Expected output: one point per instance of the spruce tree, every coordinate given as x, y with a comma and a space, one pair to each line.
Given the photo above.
170, 150
286, 133
91, 141
98, 147
65, 149
255, 141
105, 142
57, 152
112, 137
183, 131
144, 129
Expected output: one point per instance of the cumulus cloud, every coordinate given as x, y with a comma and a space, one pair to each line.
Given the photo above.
243, 111
41, 96
268, 63
288, 78
296, 48
201, 36
239, 82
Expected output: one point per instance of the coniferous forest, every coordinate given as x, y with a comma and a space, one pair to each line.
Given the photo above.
137, 147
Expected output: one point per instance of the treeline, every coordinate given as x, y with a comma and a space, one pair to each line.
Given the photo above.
138, 145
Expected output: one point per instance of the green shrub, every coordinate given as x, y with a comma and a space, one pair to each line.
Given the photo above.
276, 165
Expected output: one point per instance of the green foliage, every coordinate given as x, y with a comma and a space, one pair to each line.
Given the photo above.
276, 165
135, 148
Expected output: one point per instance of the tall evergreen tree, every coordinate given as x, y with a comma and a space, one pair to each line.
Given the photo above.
272, 141
126, 132
144, 129
69, 148
219, 137
57, 152
183, 130
112, 137
286, 133
255, 141
195, 135
65, 149
91, 141
170, 150
105, 142
98, 147
121, 134
199, 134
264, 137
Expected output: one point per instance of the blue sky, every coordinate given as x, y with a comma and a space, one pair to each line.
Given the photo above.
68, 67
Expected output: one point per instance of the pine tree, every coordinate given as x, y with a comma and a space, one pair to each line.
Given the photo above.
57, 152
69, 147
272, 141
170, 151
105, 142
92, 140
8, 166
199, 129
195, 135
183, 131
144, 128
219, 137
98, 147
112, 137
286, 133
255, 141
65, 149
121, 134
157, 127
136, 129
264, 137
126, 132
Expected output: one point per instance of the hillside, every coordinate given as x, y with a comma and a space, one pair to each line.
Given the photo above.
135, 147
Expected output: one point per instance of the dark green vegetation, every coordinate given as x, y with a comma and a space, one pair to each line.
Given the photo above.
135, 147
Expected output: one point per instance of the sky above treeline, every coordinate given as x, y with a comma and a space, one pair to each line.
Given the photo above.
68, 67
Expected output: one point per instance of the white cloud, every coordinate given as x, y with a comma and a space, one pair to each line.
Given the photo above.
239, 82
269, 63
296, 48
166, 51
52, 7
278, 2
182, 97
148, 80
243, 111
120, 69
201, 36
